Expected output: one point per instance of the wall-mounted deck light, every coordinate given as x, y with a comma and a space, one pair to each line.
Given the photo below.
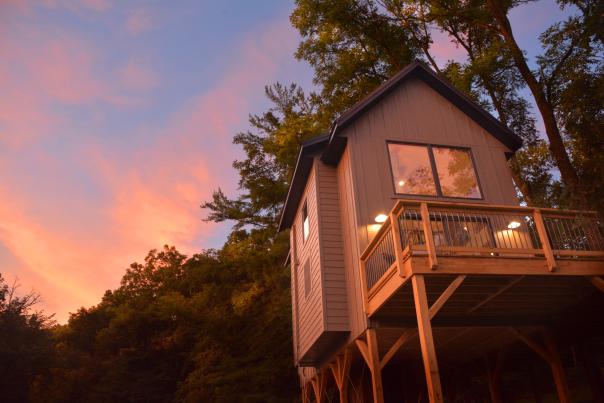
401, 183
513, 224
381, 218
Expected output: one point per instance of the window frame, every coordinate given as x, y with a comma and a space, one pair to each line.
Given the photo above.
439, 192
305, 217
307, 278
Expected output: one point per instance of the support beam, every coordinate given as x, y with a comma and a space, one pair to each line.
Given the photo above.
496, 294
444, 297
432, 259
406, 336
376, 371
341, 370
598, 282
549, 352
592, 373
319, 383
533, 345
426, 340
557, 368
494, 377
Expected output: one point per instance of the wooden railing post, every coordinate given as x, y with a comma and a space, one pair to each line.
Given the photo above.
547, 248
364, 290
432, 260
398, 244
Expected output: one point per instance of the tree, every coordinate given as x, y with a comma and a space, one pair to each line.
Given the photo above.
26, 348
493, 74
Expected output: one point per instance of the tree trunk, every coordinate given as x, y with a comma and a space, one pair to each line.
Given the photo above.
556, 145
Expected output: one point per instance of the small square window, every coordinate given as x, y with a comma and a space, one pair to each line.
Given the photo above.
307, 279
305, 222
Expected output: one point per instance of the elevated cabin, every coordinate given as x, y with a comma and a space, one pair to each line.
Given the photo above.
406, 209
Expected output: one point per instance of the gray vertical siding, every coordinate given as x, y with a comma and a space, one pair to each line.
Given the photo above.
357, 319
309, 307
414, 112
332, 249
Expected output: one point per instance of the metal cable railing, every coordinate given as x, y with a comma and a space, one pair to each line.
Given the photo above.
580, 233
382, 257
478, 230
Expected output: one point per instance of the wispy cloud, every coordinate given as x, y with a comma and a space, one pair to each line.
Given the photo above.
139, 21
76, 208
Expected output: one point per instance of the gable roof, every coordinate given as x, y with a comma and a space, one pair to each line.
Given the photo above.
332, 145
296, 188
436, 82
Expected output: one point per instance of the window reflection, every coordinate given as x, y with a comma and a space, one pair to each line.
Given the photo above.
453, 174
411, 169
456, 172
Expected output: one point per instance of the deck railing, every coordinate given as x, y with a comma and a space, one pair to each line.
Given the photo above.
438, 229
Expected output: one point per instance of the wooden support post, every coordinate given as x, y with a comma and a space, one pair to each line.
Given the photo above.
592, 373
305, 394
432, 260
547, 248
376, 371
598, 282
319, 383
494, 378
550, 354
364, 289
426, 340
557, 368
341, 370
398, 244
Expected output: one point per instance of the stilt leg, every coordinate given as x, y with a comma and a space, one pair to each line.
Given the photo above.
557, 369
426, 339
376, 371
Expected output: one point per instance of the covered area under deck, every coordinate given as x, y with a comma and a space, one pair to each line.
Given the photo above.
458, 291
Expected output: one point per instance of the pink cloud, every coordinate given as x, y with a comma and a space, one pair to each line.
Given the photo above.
137, 76
70, 246
79, 5
139, 21
444, 49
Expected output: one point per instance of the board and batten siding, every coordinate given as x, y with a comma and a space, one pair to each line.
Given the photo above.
325, 309
333, 285
416, 113
309, 308
356, 312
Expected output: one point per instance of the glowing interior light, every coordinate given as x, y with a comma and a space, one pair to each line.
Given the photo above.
513, 224
401, 183
380, 218
465, 228
492, 254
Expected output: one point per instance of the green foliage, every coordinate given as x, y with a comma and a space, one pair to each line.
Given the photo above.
202, 328
271, 148
26, 348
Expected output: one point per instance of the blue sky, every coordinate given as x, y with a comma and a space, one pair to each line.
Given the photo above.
116, 120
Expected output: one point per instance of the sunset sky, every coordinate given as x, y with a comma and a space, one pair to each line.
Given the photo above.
116, 120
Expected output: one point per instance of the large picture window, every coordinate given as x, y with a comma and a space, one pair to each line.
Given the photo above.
433, 171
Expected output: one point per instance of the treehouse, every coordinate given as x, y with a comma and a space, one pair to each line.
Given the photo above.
413, 265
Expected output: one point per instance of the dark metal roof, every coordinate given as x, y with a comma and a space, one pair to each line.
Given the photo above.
333, 145
296, 188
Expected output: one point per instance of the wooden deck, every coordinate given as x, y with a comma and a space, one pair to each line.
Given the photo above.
476, 278
487, 254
